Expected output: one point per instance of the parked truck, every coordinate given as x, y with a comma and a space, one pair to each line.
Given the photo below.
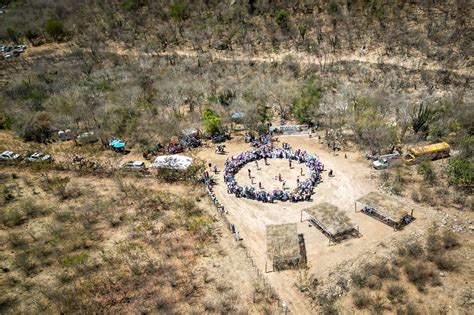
428, 152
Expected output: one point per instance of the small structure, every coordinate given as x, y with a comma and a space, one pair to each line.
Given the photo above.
384, 208
175, 162
283, 247
333, 222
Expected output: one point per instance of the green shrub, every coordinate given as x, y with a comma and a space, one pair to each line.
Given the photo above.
6, 121
426, 169
74, 260
460, 172
55, 29
133, 5
178, 12
212, 121
283, 19
306, 106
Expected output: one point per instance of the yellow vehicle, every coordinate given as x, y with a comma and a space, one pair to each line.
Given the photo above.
428, 152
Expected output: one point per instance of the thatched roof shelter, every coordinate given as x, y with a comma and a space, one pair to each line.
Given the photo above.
390, 206
282, 242
331, 217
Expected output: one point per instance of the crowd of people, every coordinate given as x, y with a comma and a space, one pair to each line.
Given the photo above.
304, 188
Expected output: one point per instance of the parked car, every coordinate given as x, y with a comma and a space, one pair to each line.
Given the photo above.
2, 48
190, 142
9, 156
174, 149
220, 138
38, 157
134, 165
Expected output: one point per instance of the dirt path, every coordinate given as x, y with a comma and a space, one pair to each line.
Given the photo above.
374, 57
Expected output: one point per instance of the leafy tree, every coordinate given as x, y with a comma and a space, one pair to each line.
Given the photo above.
212, 121
307, 104
39, 128
460, 172
370, 127
55, 29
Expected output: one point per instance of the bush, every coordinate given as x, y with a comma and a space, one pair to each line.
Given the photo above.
133, 5
178, 12
55, 29
39, 128
396, 293
359, 279
24, 262
420, 274
361, 299
17, 239
413, 250
446, 263
11, 217
460, 172
450, 240
374, 282
425, 168
283, 19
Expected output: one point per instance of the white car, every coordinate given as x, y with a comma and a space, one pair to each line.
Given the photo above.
9, 155
134, 165
380, 164
38, 157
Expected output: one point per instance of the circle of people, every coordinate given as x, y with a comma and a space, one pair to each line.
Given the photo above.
302, 193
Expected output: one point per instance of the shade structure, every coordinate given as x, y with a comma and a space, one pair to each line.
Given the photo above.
117, 144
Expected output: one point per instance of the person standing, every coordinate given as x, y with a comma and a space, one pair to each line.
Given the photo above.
250, 173
256, 164
279, 177
301, 172
290, 162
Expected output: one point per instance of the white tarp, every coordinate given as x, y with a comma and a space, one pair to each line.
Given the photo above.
290, 129
175, 162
